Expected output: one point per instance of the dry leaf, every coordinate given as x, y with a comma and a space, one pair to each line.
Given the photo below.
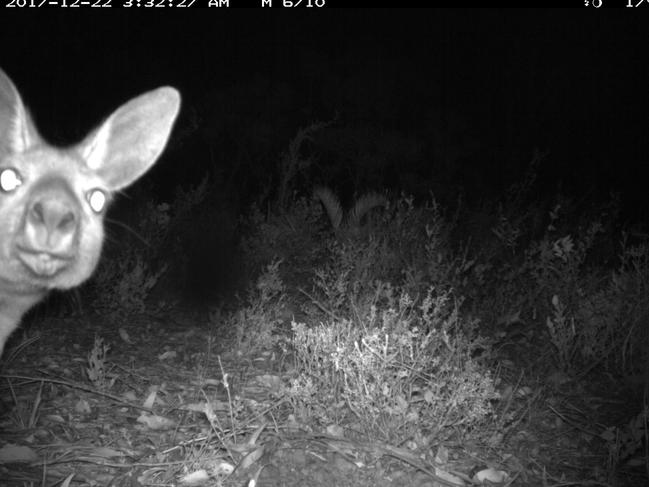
17, 454
155, 422
251, 458
198, 477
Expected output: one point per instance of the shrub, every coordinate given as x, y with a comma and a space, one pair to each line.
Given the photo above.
256, 323
401, 364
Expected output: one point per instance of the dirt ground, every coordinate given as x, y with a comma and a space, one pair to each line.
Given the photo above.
163, 416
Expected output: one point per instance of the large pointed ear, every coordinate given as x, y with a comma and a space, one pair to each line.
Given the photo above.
17, 132
132, 138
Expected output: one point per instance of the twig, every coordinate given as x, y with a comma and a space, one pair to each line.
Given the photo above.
320, 305
74, 386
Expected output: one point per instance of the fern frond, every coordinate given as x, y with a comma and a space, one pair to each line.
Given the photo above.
362, 205
331, 203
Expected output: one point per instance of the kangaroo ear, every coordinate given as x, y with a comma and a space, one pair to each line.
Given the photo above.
17, 132
127, 144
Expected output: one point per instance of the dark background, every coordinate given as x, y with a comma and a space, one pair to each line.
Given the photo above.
449, 101
472, 92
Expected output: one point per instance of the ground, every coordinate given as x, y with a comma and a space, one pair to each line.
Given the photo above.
157, 413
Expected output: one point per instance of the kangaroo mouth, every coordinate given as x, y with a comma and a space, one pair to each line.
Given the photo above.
42, 264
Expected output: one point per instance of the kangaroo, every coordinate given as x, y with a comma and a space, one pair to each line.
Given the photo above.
53, 200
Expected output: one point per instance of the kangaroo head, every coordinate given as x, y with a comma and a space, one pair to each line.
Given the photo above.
53, 200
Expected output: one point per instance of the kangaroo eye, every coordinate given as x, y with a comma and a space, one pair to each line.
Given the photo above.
97, 200
9, 180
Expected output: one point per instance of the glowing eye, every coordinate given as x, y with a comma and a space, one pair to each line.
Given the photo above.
97, 200
9, 180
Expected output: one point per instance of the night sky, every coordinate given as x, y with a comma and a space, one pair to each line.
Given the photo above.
436, 99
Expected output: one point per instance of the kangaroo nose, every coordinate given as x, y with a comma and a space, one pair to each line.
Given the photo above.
51, 223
